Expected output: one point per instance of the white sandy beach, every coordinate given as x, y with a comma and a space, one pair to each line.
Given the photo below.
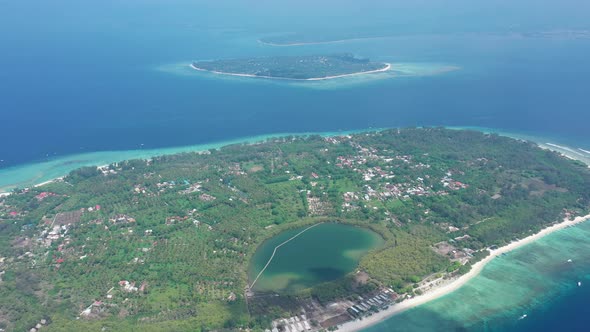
565, 151
5, 194
457, 283
386, 68
452, 285
565, 148
48, 182
568, 152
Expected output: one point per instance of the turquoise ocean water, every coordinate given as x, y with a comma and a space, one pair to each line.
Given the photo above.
535, 280
92, 83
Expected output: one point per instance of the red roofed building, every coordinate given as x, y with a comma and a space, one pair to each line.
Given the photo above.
44, 195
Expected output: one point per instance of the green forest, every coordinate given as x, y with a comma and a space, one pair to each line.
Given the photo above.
293, 67
164, 244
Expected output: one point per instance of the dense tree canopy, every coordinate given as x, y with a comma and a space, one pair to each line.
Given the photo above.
180, 229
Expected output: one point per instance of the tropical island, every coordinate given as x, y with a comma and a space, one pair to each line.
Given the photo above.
302, 68
299, 39
219, 239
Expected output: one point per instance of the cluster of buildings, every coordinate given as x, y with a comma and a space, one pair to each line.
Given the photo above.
292, 324
455, 254
193, 188
236, 169
374, 303
448, 182
122, 219
44, 195
316, 206
98, 307
42, 323
207, 198
7, 211
109, 169
316, 317
128, 287
385, 188
175, 219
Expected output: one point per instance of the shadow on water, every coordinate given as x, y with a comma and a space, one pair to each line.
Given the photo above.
326, 273
313, 276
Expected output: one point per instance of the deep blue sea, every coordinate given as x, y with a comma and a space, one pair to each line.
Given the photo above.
81, 76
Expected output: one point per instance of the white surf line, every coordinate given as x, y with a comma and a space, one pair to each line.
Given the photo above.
585, 151
564, 148
275, 251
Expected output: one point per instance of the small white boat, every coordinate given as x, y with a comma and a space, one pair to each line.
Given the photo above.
522, 317
569, 260
579, 283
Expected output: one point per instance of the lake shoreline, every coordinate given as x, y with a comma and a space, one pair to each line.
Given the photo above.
289, 250
251, 285
455, 284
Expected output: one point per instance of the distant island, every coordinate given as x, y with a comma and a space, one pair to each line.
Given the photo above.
290, 234
302, 39
301, 68
557, 34
296, 39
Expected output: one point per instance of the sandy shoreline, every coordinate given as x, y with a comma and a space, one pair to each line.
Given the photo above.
565, 151
48, 182
386, 68
5, 194
548, 146
7, 187
452, 285
456, 283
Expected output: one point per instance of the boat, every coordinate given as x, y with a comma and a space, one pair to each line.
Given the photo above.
569, 260
579, 283
522, 317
